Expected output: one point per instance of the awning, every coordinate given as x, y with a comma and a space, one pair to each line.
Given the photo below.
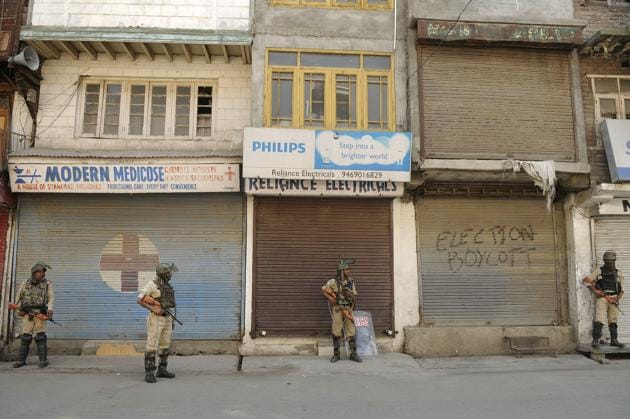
608, 43
52, 41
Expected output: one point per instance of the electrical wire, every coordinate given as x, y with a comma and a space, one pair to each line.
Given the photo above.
442, 40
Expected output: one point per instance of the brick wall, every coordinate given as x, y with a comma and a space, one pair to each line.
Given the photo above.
600, 15
172, 14
59, 102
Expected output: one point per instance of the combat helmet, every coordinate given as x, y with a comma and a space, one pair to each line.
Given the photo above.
610, 254
163, 268
40, 266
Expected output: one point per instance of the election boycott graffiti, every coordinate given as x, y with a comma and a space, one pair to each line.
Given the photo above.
128, 262
487, 246
123, 178
327, 155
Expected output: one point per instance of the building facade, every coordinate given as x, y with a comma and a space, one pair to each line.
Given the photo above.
599, 215
136, 161
500, 143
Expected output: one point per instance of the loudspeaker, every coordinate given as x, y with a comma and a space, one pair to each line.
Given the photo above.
28, 58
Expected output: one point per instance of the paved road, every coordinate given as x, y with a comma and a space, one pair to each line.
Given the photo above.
391, 386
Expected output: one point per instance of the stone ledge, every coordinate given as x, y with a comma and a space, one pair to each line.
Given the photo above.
480, 341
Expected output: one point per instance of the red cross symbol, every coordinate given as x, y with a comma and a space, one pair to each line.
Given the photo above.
129, 263
230, 173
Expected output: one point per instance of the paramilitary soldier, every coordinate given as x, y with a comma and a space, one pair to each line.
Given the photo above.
159, 297
341, 293
607, 284
34, 297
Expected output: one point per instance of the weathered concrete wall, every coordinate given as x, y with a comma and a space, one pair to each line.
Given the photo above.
581, 300
172, 14
523, 11
479, 341
329, 29
21, 125
601, 16
59, 101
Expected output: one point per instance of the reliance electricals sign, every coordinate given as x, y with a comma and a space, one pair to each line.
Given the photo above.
616, 137
327, 155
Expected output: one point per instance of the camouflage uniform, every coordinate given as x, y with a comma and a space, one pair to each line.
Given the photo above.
345, 292
609, 281
35, 294
159, 326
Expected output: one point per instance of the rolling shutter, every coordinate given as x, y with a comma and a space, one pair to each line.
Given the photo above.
612, 234
298, 245
103, 248
487, 262
496, 102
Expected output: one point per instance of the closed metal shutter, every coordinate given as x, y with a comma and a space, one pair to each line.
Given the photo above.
298, 245
4, 227
496, 102
612, 234
487, 262
103, 248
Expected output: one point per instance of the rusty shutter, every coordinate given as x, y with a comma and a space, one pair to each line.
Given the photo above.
103, 248
496, 102
298, 244
487, 262
612, 234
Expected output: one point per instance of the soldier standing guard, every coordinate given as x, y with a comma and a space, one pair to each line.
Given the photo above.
35, 296
341, 293
159, 297
607, 284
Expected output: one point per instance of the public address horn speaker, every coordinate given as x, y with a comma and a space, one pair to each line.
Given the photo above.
28, 58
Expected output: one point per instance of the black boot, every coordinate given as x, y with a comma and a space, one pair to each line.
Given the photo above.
613, 336
597, 334
25, 343
336, 351
42, 349
149, 367
354, 356
162, 372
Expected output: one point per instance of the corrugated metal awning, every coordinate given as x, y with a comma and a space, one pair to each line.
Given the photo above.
52, 41
122, 154
608, 43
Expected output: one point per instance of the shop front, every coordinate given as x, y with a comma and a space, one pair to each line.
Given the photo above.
104, 224
314, 200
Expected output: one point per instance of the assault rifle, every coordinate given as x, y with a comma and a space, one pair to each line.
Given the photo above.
38, 312
155, 306
168, 312
600, 293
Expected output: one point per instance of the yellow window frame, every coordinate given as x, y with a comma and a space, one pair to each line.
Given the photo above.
333, 4
330, 103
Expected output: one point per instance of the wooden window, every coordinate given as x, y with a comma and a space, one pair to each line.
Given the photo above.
143, 109
354, 4
612, 97
329, 90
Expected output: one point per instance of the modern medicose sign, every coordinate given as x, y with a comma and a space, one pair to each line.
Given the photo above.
616, 137
124, 178
327, 155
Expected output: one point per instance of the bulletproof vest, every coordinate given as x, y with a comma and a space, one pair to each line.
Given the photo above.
608, 283
167, 294
34, 294
345, 294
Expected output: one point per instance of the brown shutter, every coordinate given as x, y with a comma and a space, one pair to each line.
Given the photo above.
496, 102
487, 262
297, 247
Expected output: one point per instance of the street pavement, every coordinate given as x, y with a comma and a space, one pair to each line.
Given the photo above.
390, 386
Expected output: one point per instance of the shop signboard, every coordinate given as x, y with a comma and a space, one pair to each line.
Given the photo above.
327, 155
